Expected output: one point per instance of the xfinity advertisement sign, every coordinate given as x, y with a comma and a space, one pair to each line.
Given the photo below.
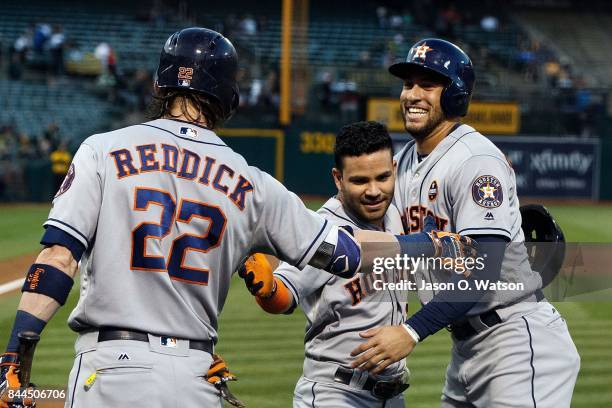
544, 167
547, 166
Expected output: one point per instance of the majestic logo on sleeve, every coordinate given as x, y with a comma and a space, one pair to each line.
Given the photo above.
433, 191
487, 192
67, 181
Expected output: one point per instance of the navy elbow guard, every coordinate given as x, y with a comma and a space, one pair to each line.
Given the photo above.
338, 254
49, 281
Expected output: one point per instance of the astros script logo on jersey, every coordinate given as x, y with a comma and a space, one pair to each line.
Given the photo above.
487, 192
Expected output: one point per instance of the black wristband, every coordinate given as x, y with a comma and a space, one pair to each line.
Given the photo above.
48, 280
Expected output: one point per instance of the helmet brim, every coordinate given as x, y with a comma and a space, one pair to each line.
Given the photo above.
403, 69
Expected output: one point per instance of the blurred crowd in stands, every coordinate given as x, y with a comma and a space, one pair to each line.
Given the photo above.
50, 51
18, 148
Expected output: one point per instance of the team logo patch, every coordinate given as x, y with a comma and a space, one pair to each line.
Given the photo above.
487, 192
187, 131
421, 51
433, 191
67, 181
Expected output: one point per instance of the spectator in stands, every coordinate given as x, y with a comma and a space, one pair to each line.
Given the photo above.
42, 34
349, 101
230, 25
15, 67
552, 69
447, 21
248, 25
365, 60
396, 21
43, 146
106, 55
142, 88
23, 44
526, 59
60, 163
324, 90
244, 85
52, 134
26, 149
7, 143
56, 48
424, 12
381, 15
407, 18
489, 23
270, 91
157, 13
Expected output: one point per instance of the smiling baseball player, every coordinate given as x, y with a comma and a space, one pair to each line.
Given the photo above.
338, 309
511, 347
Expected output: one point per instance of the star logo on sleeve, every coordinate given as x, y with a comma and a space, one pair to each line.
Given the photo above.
487, 191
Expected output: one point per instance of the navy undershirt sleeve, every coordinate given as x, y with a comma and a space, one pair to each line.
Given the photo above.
416, 245
448, 306
56, 236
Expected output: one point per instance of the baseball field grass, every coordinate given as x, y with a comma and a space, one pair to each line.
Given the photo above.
266, 351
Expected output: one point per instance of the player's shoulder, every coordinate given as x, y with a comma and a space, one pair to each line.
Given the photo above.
393, 220
104, 140
406, 152
471, 143
333, 210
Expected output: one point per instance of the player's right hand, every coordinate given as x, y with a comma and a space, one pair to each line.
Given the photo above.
258, 276
9, 382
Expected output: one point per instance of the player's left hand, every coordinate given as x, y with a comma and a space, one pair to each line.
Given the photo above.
386, 345
9, 381
218, 375
258, 275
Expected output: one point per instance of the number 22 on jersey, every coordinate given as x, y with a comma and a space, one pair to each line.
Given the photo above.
187, 209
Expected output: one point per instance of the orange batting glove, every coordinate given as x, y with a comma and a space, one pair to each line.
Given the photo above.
257, 275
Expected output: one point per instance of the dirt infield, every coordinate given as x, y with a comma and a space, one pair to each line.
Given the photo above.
15, 268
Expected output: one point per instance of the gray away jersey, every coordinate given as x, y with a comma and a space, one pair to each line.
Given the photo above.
167, 212
467, 184
338, 309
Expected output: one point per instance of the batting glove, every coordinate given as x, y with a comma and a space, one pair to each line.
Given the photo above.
10, 384
258, 277
218, 375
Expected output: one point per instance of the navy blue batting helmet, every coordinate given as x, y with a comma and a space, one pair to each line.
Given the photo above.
448, 60
204, 61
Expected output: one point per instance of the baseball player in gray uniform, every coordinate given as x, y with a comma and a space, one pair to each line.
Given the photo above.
159, 215
510, 346
338, 309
